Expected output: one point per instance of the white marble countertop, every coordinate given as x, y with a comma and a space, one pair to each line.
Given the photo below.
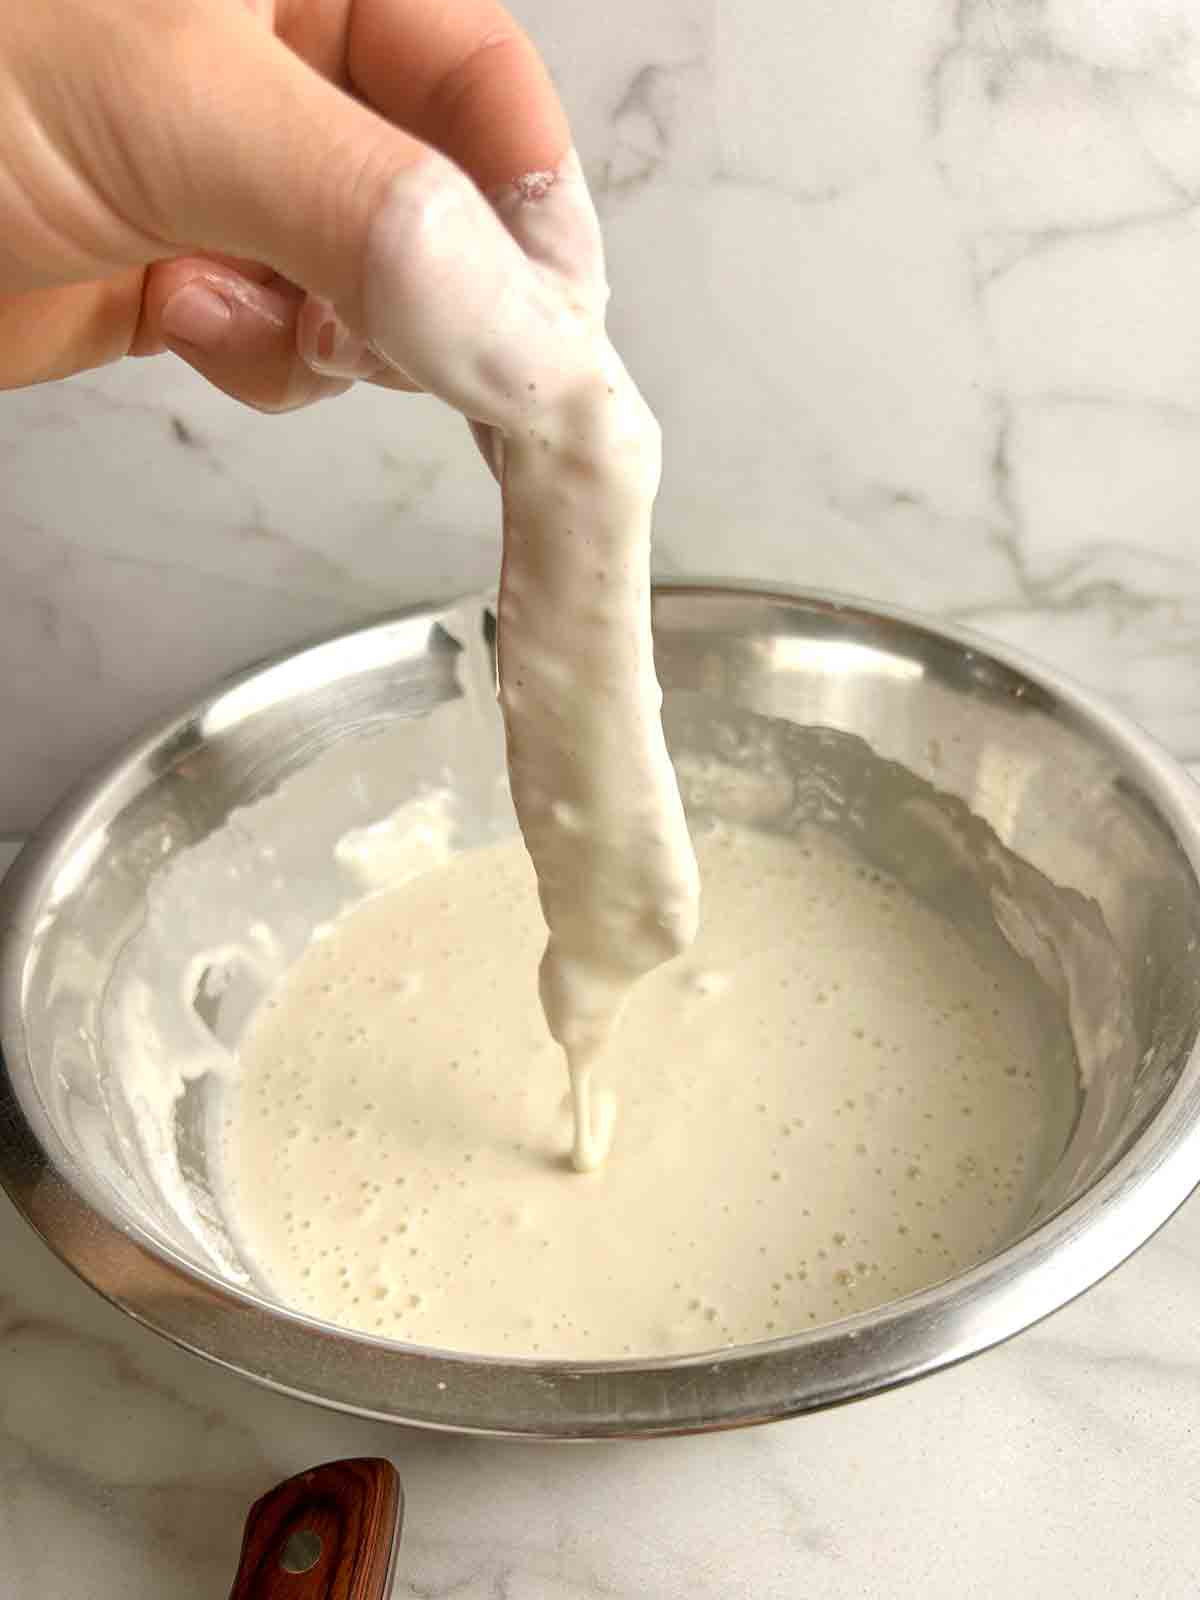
1066, 1463
916, 292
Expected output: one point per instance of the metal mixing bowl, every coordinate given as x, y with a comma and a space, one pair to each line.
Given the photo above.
996, 791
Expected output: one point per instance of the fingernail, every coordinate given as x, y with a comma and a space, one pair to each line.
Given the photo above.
197, 315
327, 346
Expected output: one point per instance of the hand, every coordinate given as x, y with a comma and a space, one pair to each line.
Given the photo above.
202, 176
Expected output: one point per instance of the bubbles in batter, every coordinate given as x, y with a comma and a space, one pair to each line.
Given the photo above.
830, 1101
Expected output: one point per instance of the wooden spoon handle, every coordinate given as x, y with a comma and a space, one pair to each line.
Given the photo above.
328, 1534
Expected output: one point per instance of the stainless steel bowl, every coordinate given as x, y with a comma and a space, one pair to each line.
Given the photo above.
997, 791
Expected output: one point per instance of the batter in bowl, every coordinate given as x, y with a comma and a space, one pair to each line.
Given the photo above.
831, 1100
826, 1104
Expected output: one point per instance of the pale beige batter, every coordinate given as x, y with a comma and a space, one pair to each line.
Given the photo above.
828, 1102
509, 328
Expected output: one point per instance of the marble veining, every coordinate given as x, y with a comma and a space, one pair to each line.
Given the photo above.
1065, 1463
916, 292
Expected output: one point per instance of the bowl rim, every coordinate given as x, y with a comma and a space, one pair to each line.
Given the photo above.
286, 1350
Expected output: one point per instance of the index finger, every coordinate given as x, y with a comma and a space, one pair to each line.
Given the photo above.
460, 75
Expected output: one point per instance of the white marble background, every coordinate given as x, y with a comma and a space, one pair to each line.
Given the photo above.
916, 290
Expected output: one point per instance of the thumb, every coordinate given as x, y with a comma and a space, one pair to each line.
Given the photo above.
234, 145
464, 296
227, 142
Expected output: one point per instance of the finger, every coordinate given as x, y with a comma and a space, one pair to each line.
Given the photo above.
224, 142
239, 334
329, 347
50, 333
463, 77
230, 143
366, 218
323, 341
253, 334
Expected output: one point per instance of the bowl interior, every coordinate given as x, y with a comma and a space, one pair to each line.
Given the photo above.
181, 886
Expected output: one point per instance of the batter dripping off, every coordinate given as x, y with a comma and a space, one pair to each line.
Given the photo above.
511, 331
827, 1103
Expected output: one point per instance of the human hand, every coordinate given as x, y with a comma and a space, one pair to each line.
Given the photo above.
209, 177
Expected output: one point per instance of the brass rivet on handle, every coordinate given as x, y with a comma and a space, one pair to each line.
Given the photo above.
302, 1551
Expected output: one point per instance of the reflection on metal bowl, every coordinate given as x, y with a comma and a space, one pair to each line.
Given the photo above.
983, 782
